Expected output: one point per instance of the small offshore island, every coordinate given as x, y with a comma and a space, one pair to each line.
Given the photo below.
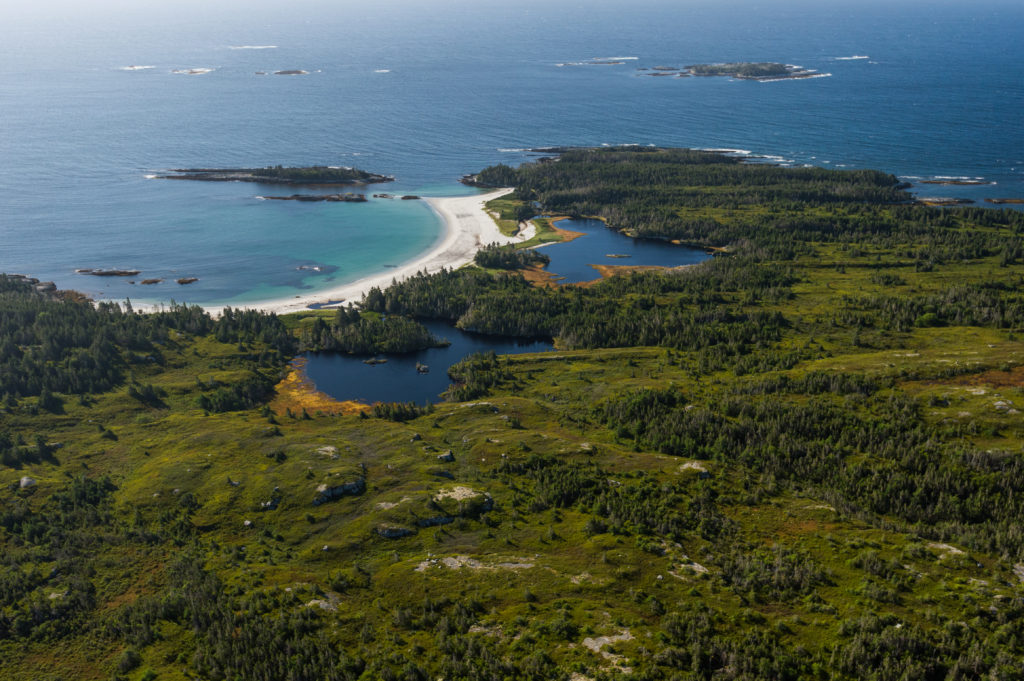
761, 71
312, 175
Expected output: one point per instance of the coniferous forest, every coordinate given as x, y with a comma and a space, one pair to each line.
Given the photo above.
800, 459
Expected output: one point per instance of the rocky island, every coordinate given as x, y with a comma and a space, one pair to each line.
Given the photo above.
956, 181
107, 273
348, 198
761, 71
312, 175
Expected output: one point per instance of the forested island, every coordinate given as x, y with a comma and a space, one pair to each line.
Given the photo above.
324, 175
800, 459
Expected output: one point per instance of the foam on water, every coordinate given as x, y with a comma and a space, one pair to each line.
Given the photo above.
809, 76
856, 56
136, 68
722, 150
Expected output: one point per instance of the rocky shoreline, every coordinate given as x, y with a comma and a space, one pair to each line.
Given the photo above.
926, 201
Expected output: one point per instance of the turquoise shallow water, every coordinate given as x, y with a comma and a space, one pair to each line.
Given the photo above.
429, 92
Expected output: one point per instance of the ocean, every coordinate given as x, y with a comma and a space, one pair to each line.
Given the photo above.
428, 92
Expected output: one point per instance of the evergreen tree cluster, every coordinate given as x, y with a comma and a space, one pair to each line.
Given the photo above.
49, 345
358, 334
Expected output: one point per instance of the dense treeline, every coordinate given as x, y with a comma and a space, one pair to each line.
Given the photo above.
475, 375
674, 193
366, 335
498, 257
400, 411
68, 527
996, 304
245, 394
15, 451
876, 455
48, 345
622, 312
638, 506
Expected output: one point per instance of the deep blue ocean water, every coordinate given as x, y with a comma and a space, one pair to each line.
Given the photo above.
429, 92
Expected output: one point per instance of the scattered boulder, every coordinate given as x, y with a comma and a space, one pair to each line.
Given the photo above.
393, 531
26, 482
435, 521
325, 493
447, 457
463, 502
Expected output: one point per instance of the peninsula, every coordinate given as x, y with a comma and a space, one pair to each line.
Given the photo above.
312, 175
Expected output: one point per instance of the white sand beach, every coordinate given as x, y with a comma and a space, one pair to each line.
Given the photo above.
467, 228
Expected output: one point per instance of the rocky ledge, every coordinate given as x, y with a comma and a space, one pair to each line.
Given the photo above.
107, 273
929, 201
966, 183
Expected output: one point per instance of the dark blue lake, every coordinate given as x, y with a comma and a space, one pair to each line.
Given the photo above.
572, 262
348, 377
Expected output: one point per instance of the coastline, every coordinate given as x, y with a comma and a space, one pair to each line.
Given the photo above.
466, 228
